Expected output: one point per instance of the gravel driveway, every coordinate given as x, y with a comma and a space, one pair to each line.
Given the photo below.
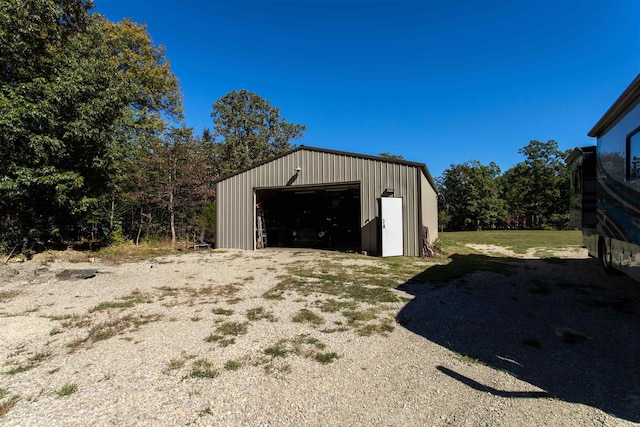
318, 338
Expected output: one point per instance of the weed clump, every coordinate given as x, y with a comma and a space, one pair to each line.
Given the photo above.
67, 389
203, 368
307, 316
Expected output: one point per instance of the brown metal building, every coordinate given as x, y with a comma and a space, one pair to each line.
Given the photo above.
312, 197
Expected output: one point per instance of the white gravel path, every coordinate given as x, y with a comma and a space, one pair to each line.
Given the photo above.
142, 375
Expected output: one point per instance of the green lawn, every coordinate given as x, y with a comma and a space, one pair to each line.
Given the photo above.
518, 241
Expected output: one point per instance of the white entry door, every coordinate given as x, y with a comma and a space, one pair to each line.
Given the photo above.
391, 214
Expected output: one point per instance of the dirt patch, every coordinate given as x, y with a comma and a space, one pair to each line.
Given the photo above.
532, 253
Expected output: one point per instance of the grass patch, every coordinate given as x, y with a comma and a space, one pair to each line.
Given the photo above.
334, 330
31, 363
225, 333
232, 328
232, 365
221, 340
301, 345
19, 368
203, 368
128, 252
307, 340
307, 316
171, 291
229, 290
8, 295
382, 328
67, 390
519, 241
332, 305
260, 313
7, 405
129, 301
112, 327
326, 358
222, 311
60, 318
279, 349
470, 360
174, 364
336, 280
354, 316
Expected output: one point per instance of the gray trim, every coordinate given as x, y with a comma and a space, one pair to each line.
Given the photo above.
311, 186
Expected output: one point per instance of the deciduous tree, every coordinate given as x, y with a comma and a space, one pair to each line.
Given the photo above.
75, 89
247, 129
470, 196
537, 189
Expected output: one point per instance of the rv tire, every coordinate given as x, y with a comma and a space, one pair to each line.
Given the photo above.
604, 255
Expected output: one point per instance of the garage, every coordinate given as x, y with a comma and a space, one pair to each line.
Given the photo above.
322, 217
318, 198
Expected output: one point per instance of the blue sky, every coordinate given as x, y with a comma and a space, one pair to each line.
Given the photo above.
438, 82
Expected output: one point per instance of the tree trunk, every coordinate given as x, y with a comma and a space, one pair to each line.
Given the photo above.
172, 219
113, 208
139, 228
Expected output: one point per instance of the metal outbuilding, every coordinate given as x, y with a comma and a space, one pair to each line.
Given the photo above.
313, 197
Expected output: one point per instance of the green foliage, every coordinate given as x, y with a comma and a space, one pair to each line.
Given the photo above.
203, 368
326, 358
207, 222
67, 390
232, 365
307, 316
470, 197
175, 176
116, 235
519, 241
247, 130
537, 190
75, 91
532, 194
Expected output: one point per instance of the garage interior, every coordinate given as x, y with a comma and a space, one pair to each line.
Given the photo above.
320, 217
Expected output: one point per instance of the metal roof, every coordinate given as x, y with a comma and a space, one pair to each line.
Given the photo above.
629, 98
420, 166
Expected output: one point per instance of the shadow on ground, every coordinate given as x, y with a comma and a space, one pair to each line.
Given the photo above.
559, 324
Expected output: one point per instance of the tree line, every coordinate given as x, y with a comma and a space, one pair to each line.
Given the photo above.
93, 142
94, 146
534, 194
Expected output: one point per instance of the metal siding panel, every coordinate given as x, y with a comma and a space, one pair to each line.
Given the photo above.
429, 208
412, 227
235, 226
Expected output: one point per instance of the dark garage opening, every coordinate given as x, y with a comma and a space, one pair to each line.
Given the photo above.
326, 217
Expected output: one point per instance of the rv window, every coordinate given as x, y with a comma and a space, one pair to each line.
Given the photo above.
577, 181
633, 155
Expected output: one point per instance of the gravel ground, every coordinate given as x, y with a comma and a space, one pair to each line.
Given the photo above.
216, 338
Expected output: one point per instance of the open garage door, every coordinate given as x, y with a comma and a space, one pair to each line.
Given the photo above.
322, 217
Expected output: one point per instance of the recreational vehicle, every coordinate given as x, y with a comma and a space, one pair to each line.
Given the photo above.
606, 186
